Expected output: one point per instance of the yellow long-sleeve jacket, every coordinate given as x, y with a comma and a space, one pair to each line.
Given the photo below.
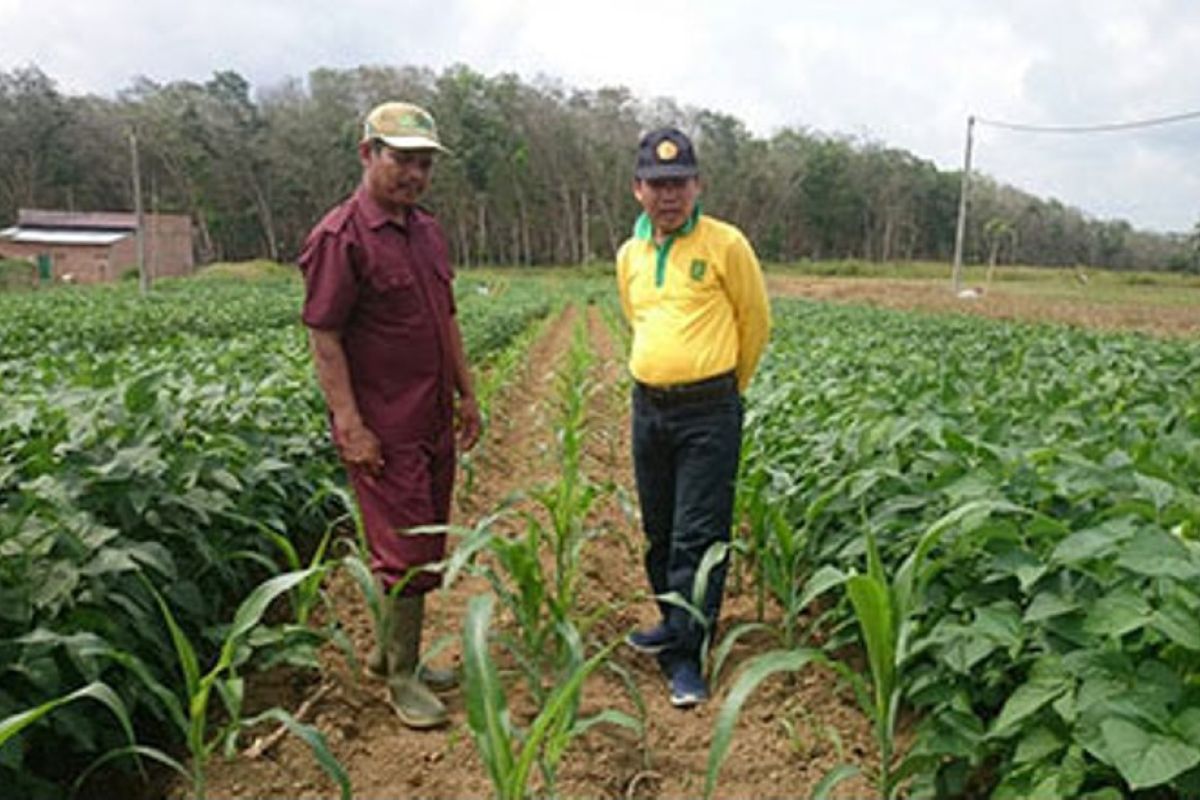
697, 303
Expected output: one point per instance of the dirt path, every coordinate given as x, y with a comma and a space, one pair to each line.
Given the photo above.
384, 759
790, 732
996, 302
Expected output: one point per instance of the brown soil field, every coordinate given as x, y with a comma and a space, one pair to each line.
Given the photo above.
998, 302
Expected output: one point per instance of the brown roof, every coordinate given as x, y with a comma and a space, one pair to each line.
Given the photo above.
90, 220
84, 220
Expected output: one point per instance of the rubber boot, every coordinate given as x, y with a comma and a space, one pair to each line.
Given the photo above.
376, 664
413, 702
439, 680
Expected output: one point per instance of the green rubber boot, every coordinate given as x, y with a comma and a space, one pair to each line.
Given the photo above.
415, 705
439, 680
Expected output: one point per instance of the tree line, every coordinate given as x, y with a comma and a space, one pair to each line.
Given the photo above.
540, 172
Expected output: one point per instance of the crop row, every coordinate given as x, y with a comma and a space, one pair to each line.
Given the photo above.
179, 454
1007, 516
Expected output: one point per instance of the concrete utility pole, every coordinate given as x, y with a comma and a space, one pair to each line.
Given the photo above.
140, 237
962, 206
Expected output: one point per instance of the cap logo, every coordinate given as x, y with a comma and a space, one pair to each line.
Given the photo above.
666, 150
416, 121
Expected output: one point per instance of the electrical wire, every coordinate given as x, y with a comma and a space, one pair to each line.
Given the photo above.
1106, 127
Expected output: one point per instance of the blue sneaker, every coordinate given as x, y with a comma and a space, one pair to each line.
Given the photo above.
652, 640
687, 686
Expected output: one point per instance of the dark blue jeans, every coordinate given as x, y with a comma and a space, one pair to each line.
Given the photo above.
685, 459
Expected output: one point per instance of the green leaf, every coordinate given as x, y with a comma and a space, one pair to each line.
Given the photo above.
184, 652
1145, 758
825, 578
1160, 492
1187, 725
1178, 623
1092, 543
1000, 622
968, 516
1119, 612
1159, 554
1047, 681
1037, 745
609, 716
487, 712
12, 725
835, 776
250, 611
1048, 604
755, 672
556, 714
721, 653
316, 742
873, 609
153, 753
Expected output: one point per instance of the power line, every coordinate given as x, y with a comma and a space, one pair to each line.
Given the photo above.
960, 229
1105, 127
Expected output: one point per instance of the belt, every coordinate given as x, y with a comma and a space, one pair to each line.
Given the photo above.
714, 388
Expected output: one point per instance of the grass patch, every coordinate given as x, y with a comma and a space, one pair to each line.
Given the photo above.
17, 273
257, 270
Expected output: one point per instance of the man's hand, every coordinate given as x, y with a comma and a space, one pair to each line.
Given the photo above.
359, 448
467, 422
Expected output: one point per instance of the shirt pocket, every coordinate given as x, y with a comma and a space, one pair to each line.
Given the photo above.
394, 287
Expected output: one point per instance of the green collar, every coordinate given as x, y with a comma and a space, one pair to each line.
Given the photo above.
644, 229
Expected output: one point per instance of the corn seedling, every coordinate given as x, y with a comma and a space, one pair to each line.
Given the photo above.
223, 677
510, 754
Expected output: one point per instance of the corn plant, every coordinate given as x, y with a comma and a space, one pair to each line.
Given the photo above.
509, 753
12, 725
753, 674
886, 614
223, 678
542, 598
568, 501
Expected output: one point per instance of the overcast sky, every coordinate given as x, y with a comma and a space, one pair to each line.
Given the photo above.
906, 74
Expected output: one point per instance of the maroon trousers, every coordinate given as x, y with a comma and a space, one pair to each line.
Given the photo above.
413, 490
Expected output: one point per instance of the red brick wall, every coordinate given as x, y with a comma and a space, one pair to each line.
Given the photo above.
83, 263
169, 245
168, 240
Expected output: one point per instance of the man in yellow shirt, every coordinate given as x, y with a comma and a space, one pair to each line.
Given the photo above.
692, 290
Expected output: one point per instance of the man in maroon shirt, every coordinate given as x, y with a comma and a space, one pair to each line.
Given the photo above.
389, 358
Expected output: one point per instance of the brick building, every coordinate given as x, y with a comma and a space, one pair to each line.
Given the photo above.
91, 247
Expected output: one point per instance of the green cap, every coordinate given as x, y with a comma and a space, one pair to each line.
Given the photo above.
403, 126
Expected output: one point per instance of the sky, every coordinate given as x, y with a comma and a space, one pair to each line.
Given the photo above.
902, 74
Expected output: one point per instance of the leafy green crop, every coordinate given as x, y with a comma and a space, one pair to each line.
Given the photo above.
177, 441
1056, 651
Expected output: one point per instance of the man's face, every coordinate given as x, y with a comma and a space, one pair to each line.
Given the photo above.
667, 201
396, 179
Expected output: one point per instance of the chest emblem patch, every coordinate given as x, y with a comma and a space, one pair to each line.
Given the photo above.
698, 268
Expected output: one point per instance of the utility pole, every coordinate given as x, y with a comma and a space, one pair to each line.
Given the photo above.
140, 236
585, 244
964, 189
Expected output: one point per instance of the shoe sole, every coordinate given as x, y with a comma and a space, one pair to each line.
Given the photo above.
650, 650
420, 723
687, 700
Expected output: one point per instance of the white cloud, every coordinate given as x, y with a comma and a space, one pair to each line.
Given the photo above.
903, 73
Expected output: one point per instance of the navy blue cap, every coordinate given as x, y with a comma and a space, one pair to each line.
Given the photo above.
665, 153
